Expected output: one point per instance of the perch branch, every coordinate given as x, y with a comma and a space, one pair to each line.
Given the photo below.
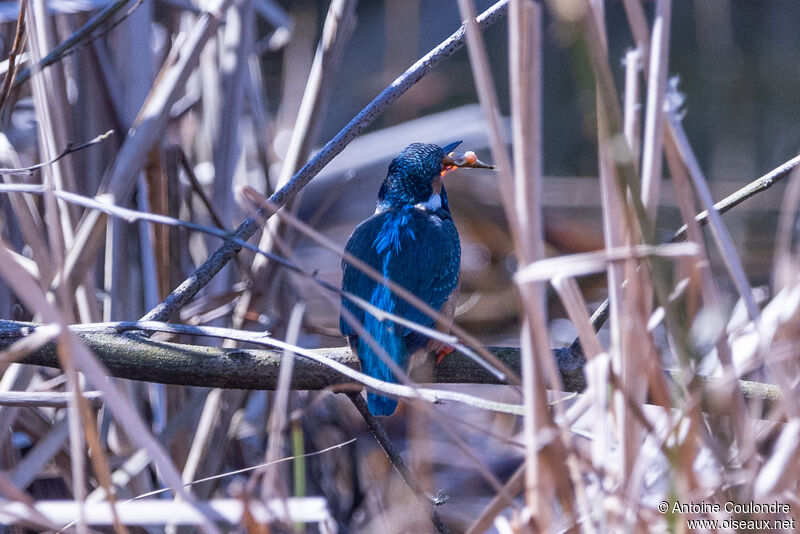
139, 358
342, 371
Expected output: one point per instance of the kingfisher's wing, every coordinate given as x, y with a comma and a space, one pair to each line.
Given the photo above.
425, 259
361, 246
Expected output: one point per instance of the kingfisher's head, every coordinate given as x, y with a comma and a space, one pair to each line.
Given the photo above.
415, 175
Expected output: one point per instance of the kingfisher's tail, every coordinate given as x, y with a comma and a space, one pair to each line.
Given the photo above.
380, 405
383, 332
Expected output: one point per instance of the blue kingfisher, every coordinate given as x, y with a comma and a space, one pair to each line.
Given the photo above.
412, 240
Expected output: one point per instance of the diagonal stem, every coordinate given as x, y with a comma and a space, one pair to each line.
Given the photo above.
397, 461
203, 274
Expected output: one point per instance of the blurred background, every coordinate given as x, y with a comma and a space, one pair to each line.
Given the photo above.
736, 62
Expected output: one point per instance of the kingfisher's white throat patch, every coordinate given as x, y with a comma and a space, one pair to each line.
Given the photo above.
433, 203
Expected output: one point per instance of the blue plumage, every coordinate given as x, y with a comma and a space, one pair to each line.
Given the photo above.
412, 241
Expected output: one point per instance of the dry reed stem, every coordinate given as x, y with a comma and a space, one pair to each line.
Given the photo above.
618, 230
624, 223
32, 230
708, 286
586, 263
16, 50
516, 192
280, 407
652, 160
638, 345
573, 302
50, 399
638, 23
59, 232
152, 512
718, 228
632, 103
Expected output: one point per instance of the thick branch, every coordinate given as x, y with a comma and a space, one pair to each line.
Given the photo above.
138, 358
135, 357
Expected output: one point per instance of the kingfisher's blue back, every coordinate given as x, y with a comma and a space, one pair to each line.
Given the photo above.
413, 242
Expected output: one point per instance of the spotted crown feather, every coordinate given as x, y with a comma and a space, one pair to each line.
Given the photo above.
410, 176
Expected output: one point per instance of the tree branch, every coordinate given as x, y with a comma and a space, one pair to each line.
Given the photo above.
139, 358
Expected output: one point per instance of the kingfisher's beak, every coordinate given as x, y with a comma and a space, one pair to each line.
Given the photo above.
452, 146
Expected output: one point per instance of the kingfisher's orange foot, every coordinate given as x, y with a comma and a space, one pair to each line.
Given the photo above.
444, 351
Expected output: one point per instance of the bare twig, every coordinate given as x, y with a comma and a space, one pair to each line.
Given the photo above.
45, 398
70, 149
751, 189
248, 469
16, 49
198, 188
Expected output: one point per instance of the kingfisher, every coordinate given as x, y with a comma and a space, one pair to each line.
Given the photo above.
412, 241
